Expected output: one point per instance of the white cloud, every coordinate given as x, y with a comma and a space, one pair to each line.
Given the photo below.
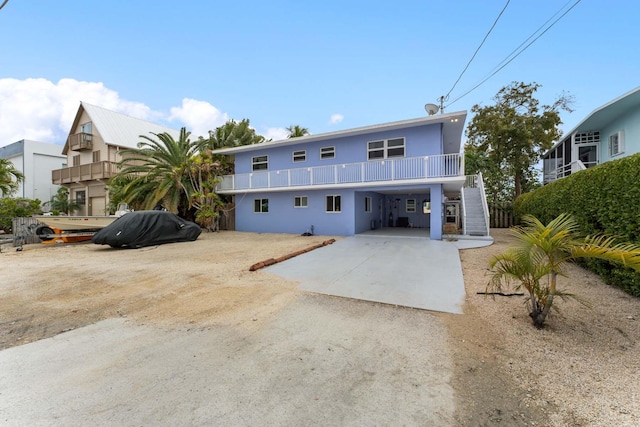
43, 110
276, 134
336, 118
199, 117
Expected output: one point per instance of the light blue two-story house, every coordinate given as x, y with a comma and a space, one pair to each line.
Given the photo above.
408, 173
610, 132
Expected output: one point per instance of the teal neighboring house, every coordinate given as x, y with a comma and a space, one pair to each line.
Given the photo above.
610, 132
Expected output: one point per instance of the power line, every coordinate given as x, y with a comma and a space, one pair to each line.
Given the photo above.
4, 3
446, 97
500, 67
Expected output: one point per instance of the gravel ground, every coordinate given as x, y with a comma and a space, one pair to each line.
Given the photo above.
581, 370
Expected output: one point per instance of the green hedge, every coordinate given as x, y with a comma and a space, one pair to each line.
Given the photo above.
603, 199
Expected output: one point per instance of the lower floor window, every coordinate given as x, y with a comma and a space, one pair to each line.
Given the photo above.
81, 197
261, 205
300, 202
333, 203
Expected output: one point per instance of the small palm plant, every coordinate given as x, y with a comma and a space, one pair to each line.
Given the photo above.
540, 255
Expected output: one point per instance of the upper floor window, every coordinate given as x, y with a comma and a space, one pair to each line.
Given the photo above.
76, 160
96, 156
327, 152
85, 128
385, 148
300, 156
260, 163
616, 144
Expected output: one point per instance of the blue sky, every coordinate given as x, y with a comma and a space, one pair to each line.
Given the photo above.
323, 65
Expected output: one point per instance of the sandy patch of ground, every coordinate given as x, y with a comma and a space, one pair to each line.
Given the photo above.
583, 369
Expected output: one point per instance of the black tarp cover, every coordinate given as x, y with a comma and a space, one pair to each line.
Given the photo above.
146, 228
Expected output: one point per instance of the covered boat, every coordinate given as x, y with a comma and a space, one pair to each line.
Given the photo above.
147, 228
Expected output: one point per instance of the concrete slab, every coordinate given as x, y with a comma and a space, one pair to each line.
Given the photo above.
410, 270
320, 361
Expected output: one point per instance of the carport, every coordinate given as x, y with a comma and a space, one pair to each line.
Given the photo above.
393, 266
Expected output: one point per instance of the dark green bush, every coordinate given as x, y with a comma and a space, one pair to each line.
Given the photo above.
603, 199
16, 207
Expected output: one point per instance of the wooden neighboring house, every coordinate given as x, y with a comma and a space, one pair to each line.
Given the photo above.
610, 132
93, 151
408, 173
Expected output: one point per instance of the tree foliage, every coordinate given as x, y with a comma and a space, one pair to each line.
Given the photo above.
541, 253
230, 134
509, 138
11, 208
295, 131
158, 171
61, 202
10, 178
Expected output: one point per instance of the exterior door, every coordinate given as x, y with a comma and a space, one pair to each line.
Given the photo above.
588, 155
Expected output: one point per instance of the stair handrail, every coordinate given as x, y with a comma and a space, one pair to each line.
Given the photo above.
485, 205
464, 212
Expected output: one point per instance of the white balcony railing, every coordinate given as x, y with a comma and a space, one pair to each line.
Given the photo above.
390, 170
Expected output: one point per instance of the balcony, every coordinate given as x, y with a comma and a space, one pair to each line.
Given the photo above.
81, 141
88, 172
400, 171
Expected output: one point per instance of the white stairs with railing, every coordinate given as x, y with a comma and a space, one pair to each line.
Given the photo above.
476, 224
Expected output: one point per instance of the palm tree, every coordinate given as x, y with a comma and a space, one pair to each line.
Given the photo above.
296, 131
541, 253
158, 171
10, 178
61, 202
232, 134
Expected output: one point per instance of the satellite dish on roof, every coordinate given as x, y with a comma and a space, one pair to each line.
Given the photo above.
431, 109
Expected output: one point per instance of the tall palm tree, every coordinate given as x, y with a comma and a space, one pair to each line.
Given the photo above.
541, 253
10, 178
296, 131
159, 170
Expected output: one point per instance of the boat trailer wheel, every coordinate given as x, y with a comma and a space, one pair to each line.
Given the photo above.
45, 233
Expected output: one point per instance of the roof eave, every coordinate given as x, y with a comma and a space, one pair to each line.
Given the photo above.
440, 118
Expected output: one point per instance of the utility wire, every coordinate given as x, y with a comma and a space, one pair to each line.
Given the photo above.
446, 97
4, 3
518, 53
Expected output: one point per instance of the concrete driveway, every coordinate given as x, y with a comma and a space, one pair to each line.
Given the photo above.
392, 268
321, 361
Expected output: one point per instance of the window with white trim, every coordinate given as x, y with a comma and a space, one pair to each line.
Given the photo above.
367, 204
385, 148
327, 152
81, 197
300, 156
261, 205
333, 203
300, 202
616, 144
259, 163
410, 206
